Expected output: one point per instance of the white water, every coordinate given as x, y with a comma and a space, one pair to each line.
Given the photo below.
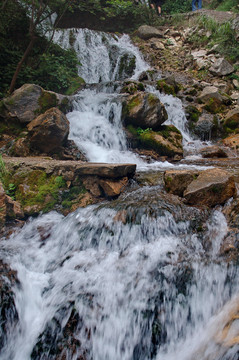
100, 54
123, 280
95, 123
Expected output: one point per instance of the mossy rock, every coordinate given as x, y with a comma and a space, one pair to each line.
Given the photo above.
36, 188
76, 84
46, 101
214, 106
168, 86
132, 87
166, 142
127, 66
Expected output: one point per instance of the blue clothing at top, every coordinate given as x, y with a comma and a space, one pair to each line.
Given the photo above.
199, 3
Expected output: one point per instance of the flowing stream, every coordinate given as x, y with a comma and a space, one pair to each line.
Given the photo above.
130, 279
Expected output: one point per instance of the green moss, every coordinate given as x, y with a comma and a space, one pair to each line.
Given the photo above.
132, 130
46, 101
192, 113
76, 83
214, 106
127, 65
152, 99
135, 101
71, 196
168, 179
36, 188
166, 88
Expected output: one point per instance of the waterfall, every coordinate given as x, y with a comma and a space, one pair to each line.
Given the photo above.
103, 57
137, 278
95, 122
126, 280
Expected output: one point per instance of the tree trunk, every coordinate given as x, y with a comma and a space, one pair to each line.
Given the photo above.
19, 65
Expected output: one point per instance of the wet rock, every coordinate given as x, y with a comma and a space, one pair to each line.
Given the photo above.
8, 311
147, 32
213, 152
113, 188
166, 142
59, 339
49, 131
221, 67
212, 187
176, 181
132, 87
144, 110
203, 127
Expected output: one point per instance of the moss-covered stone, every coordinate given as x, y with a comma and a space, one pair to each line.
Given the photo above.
166, 142
46, 101
166, 88
131, 87
126, 66
76, 83
214, 106
36, 188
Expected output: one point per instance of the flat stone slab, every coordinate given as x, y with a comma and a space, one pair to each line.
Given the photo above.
49, 165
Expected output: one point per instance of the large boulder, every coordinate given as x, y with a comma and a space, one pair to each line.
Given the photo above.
49, 131
166, 142
147, 32
31, 100
176, 181
221, 67
23, 103
208, 187
210, 92
144, 110
211, 187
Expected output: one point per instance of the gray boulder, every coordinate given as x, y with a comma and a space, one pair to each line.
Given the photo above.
147, 32
221, 67
31, 100
210, 188
144, 110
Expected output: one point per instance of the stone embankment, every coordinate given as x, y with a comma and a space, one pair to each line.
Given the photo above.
41, 184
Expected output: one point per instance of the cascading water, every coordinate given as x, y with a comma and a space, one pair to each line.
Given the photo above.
126, 280
96, 120
129, 279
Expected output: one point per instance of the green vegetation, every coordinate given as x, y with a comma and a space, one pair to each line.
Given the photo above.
36, 188
222, 35
224, 5
176, 6
46, 64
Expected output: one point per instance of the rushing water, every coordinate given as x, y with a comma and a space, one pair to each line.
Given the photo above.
134, 275
129, 279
